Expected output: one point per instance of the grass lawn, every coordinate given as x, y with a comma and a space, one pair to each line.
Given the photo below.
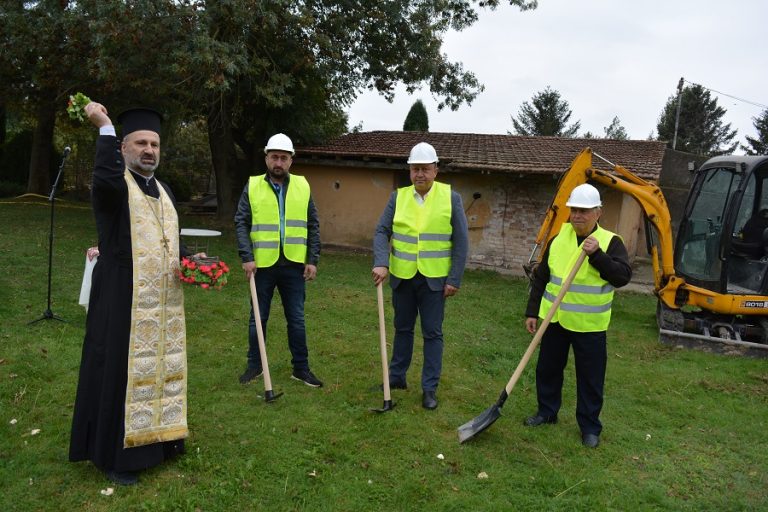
683, 430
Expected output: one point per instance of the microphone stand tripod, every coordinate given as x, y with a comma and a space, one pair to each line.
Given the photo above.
48, 313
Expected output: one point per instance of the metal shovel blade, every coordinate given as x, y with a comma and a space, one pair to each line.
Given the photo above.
388, 406
476, 425
270, 396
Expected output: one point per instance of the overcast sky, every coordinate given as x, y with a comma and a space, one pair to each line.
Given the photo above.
606, 58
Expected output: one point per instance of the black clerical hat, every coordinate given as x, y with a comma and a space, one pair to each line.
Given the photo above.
140, 119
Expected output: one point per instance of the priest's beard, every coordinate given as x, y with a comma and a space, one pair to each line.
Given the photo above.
143, 167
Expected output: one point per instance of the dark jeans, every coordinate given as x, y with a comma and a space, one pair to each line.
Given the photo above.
590, 355
289, 281
413, 297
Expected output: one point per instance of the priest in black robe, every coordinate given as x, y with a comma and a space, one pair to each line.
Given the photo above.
130, 407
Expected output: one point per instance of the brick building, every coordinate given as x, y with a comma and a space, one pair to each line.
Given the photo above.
506, 182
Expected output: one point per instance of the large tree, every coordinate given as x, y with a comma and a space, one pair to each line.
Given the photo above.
295, 68
546, 114
758, 145
120, 53
700, 129
417, 119
36, 67
250, 67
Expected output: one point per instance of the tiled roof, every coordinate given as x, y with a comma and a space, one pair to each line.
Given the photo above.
496, 153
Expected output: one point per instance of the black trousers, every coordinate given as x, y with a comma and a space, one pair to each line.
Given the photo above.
413, 297
590, 354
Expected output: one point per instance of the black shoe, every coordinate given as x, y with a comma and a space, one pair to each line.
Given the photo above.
394, 385
250, 374
123, 477
590, 440
535, 421
429, 400
307, 377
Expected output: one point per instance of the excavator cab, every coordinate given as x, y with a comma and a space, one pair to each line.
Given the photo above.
722, 243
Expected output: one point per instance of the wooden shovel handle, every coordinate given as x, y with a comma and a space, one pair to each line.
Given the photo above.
260, 334
544, 324
383, 343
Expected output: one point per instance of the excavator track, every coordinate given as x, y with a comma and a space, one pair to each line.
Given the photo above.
712, 344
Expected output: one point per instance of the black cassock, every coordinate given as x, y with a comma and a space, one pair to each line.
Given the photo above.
98, 419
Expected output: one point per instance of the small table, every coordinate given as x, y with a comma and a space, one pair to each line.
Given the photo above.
196, 245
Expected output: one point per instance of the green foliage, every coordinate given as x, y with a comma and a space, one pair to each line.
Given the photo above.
680, 427
615, 130
548, 115
417, 119
179, 185
700, 129
186, 154
758, 145
45, 48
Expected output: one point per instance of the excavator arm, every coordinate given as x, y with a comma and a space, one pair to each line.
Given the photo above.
648, 196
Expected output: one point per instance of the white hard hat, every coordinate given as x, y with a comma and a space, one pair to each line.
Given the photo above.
423, 153
584, 196
279, 142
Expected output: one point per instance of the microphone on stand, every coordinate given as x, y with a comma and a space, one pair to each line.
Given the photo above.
48, 313
64, 156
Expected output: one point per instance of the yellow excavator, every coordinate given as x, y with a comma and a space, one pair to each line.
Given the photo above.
711, 283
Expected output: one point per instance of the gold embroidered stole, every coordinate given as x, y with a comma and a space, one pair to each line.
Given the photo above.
156, 394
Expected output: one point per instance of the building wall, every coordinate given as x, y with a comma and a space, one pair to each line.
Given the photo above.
504, 221
504, 212
349, 201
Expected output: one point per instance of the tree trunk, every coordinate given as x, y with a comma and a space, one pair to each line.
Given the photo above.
223, 158
42, 140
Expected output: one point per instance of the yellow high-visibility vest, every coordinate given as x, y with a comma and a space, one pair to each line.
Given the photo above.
421, 234
265, 220
586, 306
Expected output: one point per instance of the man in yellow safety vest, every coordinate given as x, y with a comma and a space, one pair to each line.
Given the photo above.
278, 237
583, 316
427, 228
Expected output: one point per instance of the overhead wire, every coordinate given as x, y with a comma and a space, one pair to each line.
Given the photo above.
754, 103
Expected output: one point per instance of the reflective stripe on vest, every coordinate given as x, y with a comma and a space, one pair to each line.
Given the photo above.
421, 234
265, 220
586, 306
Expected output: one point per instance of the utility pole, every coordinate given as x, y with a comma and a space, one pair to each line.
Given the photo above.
677, 114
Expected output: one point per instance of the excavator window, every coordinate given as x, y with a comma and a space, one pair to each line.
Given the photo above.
701, 229
749, 246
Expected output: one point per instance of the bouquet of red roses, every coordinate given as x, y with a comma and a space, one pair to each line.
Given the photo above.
204, 272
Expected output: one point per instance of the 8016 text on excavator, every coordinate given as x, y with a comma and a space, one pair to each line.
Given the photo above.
712, 281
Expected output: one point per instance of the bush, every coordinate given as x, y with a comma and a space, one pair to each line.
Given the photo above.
16, 154
179, 186
11, 189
